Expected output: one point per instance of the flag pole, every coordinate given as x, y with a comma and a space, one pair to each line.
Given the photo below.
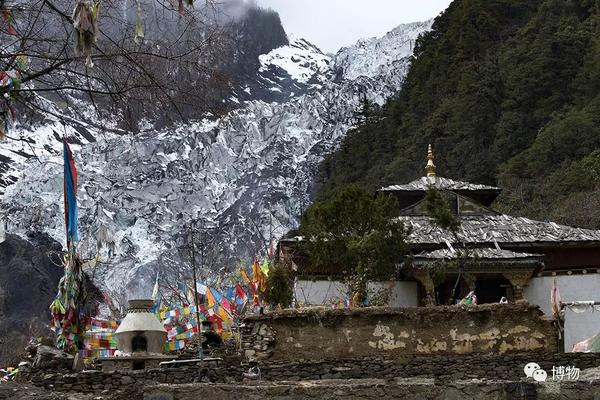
193, 251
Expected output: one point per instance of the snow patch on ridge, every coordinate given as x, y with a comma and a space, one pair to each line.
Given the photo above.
373, 56
300, 59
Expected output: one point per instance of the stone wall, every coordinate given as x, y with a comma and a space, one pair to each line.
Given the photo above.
377, 389
444, 368
321, 333
95, 381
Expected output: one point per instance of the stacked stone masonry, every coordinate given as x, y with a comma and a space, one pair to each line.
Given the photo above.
377, 389
443, 368
322, 333
443, 345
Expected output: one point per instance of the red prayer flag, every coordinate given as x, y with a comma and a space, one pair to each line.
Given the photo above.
240, 295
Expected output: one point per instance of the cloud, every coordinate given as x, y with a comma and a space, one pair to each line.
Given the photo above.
331, 24
236, 9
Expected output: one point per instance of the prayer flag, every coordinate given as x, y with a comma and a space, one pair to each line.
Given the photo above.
181, 288
240, 294
221, 312
210, 299
10, 22
155, 289
216, 295
258, 277
256, 271
555, 299
245, 275
220, 300
230, 293
255, 299
271, 251
156, 297
226, 304
22, 62
265, 267
201, 288
204, 311
70, 194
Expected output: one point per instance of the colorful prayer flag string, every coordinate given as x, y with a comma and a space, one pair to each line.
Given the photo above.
103, 323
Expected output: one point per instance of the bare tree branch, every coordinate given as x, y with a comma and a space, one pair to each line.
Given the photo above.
176, 64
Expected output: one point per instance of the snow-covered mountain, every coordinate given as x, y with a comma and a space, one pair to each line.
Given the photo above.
390, 50
287, 72
249, 173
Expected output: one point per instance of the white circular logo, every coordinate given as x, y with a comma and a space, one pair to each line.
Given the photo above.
530, 368
539, 375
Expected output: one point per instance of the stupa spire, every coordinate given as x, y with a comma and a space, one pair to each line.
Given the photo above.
430, 167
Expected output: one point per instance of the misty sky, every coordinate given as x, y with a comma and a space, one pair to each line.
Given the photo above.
331, 24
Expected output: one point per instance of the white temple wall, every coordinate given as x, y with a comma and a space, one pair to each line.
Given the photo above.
323, 292
319, 292
402, 293
585, 287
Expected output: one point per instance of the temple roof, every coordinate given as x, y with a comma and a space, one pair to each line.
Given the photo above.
484, 253
439, 183
410, 193
498, 228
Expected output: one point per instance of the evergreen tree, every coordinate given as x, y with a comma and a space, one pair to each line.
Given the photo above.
366, 113
278, 288
354, 234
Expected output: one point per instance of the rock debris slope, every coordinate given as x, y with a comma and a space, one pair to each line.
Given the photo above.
249, 172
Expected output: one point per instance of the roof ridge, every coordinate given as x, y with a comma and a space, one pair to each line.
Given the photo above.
438, 182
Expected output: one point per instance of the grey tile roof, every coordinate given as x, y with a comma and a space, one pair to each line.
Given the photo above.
500, 228
438, 182
482, 253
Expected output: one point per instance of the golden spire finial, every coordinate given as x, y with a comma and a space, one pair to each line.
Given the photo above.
430, 168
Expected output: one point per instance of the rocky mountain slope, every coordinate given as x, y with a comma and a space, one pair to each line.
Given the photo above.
249, 173
29, 277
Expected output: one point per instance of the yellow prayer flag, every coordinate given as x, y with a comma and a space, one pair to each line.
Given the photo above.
210, 298
259, 277
221, 312
245, 275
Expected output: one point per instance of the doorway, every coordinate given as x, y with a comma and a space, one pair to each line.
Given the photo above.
139, 343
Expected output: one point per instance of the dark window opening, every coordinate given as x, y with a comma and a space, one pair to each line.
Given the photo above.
139, 343
492, 290
488, 289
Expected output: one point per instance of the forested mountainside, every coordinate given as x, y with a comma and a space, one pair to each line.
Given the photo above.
507, 91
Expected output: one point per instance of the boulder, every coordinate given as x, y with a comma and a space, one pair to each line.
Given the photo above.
48, 357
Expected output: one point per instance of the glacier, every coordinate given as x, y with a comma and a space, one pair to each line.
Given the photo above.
248, 175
